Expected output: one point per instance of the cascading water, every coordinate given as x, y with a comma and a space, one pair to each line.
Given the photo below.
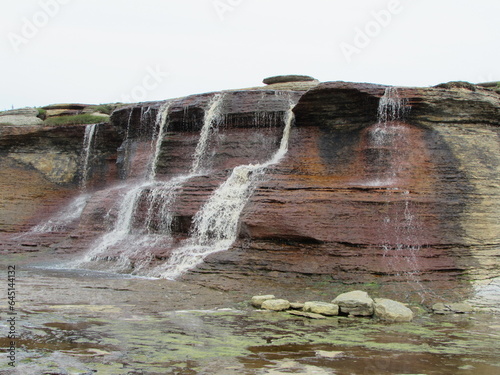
135, 241
401, 226
88, 144
215, 226
72, 212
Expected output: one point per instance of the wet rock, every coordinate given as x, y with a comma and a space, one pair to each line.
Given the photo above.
355, 303
323, 308
287, 78
276, 304
309, 315
257, 301
392, 311
452, 308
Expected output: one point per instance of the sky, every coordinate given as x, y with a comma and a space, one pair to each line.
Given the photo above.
106, 51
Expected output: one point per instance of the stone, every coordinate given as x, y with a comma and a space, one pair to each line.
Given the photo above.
20, 120
287, 78
461, 308
392, 311
19, 117
257, 301
327, 354
323, 308
276, 304
355, 303
297, 305
452, 308
26, 112
307, 314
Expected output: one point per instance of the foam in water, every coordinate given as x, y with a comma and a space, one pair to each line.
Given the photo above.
215, 226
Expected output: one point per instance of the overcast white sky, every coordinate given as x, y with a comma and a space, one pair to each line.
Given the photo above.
100, 51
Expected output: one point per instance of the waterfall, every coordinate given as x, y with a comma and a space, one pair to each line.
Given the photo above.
135, 241
401, 226
215, 226
88, 143
161, 120
61, 220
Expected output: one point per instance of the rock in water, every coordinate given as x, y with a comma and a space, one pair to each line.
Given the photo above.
287, 78
392, 311
322, 308
257, 301
356, 303
276, 304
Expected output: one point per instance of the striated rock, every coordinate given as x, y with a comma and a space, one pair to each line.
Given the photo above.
257, 301
322, 308
287, 78
392, 311
20, 120
276, 304
355, 303
18, 117
25, 112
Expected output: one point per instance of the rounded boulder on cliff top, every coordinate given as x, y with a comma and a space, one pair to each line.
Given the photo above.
288, 78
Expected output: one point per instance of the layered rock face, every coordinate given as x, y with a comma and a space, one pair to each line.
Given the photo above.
361, 195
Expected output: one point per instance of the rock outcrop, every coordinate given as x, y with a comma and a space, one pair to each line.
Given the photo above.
355, 199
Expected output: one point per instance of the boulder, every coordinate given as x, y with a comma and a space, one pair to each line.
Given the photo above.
392, 311
22, 116
297, 305
322, 308
287, 78
28, 112
20, 120
356, 303
276, 304
257, 301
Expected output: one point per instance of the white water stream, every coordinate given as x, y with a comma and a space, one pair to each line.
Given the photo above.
134, 242
215, 226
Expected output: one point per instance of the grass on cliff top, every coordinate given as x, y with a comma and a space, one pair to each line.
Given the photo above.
81, 119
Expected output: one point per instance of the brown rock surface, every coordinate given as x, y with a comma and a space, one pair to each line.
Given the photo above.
418, 205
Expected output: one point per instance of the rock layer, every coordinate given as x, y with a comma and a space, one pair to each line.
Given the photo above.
354, 199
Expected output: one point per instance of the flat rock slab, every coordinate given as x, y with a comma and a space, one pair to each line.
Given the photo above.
287, 78
307, 314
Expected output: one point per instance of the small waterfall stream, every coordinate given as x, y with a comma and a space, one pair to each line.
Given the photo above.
88, 145
401, 225
215, 226
135, 242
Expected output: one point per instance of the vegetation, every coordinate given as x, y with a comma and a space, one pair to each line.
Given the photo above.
42, 113
81, 119
104, 108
